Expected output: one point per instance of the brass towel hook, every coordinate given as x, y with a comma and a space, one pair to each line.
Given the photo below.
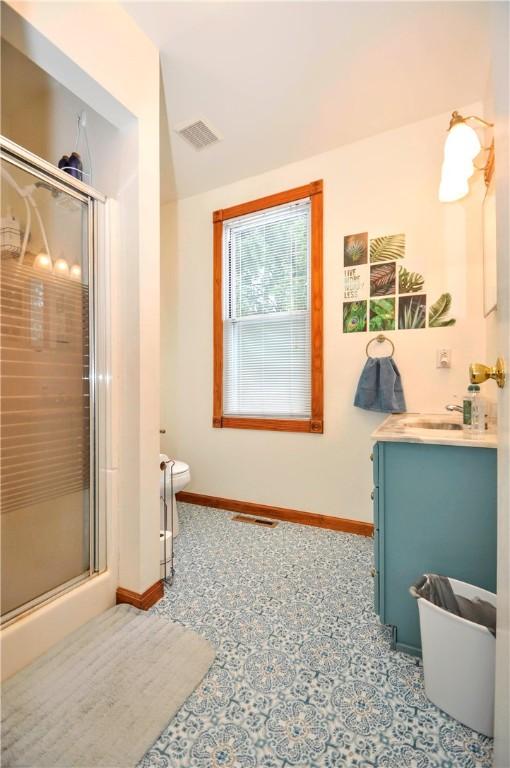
380, 338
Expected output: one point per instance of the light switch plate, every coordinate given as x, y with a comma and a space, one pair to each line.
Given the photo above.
443, 358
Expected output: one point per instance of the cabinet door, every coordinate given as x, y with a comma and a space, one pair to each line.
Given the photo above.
437, 514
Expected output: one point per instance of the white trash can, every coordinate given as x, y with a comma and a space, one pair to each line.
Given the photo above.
459, 661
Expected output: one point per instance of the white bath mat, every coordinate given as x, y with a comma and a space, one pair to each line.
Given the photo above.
101, 697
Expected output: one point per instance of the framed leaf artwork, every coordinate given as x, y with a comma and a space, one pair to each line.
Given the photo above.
383, 279
356, 249
355, 316
387, 248
382, 315
409, 282
439, 311
412, 311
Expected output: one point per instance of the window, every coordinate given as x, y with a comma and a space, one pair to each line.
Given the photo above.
268, 313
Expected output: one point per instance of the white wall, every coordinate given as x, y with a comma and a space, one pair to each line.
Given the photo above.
113, 68
386, 184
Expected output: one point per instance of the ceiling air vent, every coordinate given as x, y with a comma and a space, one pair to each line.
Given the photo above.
198, 133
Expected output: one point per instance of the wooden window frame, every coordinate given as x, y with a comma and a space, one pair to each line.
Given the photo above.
315, 424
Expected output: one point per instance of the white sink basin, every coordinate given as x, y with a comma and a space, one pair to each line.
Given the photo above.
419, 423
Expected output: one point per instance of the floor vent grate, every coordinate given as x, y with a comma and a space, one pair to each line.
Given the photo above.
255, 521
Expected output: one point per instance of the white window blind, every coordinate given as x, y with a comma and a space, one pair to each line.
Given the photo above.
266, 313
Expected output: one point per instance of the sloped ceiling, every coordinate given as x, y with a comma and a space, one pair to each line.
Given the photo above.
281, 81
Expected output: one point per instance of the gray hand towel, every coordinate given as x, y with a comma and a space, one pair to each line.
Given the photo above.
380, 387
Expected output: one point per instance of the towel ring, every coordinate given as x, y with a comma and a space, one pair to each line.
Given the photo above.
380, 338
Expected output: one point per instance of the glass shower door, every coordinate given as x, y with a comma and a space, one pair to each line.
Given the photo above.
46, 420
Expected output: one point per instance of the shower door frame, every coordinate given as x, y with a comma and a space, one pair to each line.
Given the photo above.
20, 157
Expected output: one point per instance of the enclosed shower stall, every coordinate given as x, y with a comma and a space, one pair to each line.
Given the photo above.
52, 537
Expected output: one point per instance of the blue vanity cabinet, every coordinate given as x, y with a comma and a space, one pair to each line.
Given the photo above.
434, 512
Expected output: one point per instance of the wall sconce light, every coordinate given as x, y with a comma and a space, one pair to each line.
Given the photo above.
461, 147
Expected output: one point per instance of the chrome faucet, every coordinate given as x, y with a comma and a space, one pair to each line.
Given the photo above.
454, 408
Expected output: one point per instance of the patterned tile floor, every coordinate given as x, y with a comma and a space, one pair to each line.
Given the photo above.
304, 674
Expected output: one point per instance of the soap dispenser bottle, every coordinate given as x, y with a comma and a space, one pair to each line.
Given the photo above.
473, 411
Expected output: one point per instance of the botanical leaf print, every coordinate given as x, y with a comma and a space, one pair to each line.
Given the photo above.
355, 316
409, 282
382, 315
355, 249
439, 310
387, 248
382, 279
411, 312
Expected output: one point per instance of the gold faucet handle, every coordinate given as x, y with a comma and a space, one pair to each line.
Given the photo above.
478, 372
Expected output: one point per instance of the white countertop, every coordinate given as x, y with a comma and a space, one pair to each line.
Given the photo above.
403, 428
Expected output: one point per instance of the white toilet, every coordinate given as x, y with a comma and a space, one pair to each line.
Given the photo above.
177, 482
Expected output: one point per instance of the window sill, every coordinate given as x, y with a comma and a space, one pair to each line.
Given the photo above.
314, 426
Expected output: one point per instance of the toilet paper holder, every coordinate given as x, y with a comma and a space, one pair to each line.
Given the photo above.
168, 578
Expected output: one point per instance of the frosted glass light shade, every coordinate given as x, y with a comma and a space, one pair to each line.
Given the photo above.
61, 268
462, 143
452, 187
461, 147
43, 262
457, 170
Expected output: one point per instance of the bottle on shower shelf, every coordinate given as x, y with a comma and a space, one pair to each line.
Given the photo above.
72, 164
76, 166
63, 163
